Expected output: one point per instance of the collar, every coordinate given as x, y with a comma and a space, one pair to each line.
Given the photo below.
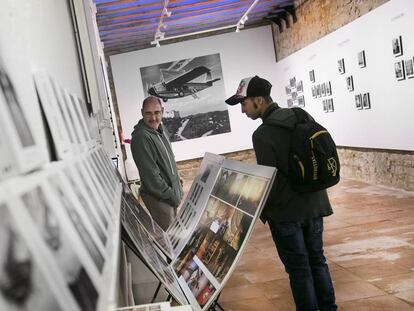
272, 107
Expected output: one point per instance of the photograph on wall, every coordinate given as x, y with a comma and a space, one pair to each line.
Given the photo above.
330, 105
325, 105
361, 59
299, 86
14, 109
312, 76
288, 90
22, 283
60, 248
192, 90
358, 101
397, 47
328, 89
409, 69
399, 70
366, 103
341, 66
301, 101
292, 82
350, 83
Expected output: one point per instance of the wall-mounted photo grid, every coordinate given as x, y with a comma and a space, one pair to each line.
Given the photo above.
209, 233
60, 240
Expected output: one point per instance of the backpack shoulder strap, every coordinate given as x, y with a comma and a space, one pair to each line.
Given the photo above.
301, 115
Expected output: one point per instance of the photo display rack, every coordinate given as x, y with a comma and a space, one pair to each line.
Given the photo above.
64, 244
210, 231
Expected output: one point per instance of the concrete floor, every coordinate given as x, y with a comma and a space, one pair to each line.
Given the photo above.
369, 245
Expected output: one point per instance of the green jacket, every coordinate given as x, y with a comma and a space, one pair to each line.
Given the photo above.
155, 160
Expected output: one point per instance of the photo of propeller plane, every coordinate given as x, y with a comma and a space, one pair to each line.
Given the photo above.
182, 84
193, 92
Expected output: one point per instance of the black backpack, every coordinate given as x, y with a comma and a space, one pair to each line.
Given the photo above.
313, 159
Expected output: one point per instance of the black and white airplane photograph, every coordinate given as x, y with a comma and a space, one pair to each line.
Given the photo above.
192, 93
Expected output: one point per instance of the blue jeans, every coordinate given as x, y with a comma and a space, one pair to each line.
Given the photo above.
300, 248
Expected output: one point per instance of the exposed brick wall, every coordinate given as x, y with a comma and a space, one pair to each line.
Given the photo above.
383, 167
316, 19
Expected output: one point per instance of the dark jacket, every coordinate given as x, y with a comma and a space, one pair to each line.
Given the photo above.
271, 145
155, 160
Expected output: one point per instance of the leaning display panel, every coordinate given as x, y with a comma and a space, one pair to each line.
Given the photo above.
226, 198
26, 282
22, 127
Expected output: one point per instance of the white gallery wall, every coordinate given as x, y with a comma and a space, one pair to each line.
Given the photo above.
242, 54
388, 124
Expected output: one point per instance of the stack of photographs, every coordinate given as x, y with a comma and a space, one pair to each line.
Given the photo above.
190, 212
217, 241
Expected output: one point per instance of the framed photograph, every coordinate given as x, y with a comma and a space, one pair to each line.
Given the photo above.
289, 102
409, 70
361, 59
294, 95
299, 86
301, 101
341, 66
350, 83
288, 90
330, 105
366, 103
325, 105
323, 89
399, 70
358, 101
313, 91
292, 82
397, 48
312, 76
328, 88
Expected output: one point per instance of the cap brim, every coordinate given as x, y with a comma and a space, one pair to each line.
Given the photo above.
234, 100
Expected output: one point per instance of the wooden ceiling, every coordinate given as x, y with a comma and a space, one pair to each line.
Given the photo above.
127, 25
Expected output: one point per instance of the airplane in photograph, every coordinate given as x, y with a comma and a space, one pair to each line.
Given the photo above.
181, 85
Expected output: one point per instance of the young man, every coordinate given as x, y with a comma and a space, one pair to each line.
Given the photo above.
295, 219
161, 188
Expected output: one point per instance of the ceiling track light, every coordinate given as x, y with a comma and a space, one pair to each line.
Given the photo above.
239, 25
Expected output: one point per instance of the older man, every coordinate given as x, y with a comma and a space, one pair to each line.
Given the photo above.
161, 188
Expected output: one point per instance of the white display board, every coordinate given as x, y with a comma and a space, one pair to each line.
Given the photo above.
242, 54
358, 59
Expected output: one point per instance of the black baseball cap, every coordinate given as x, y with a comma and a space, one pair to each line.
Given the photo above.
250, 87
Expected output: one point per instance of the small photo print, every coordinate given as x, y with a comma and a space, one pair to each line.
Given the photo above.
299, 86
314, 92
289, 102
301, 101
328, 88
361, 59
294, 95
325, 105
341, 66
399, 70
312, 76
366, 101
397, 48
350, 83
330, 105
292, 82
358, 101
409, 70
287, 90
